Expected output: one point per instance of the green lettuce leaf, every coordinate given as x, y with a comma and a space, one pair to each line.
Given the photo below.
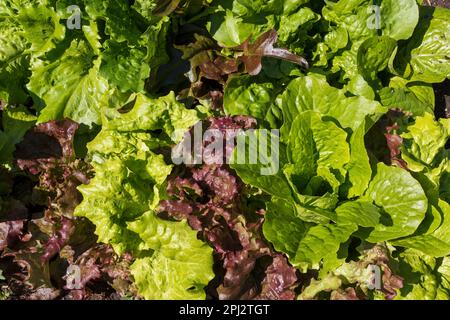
424, 141
294, 26
425, 277
120, 24
69, 87
234, 21
313, 92
397, 21
312, 152
321, 243
306, 245
134, 186
122, 198
414, 97
359, 170
121, 65
246, 95
373, 56
179, 268
425, 57
41, 26
356, 275
359, 212
273, 181
436, 243
127, 67
154, 114
230, 30
402, 200
398, 18
14, 61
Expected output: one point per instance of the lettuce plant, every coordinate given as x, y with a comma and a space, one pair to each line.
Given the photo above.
96, 95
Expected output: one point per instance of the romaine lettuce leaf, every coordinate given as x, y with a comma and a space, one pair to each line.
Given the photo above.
275, 182
425, 57
313, 153
358, 168
313, 92
305, 244
402, 200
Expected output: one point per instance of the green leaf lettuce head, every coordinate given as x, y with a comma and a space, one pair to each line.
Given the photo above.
122, 201
332, 193
76, 73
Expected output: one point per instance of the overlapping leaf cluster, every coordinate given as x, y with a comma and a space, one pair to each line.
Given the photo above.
331, 191
95, 94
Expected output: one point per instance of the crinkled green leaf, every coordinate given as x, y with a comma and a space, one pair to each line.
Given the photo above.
153, 114
374, 55
120, 23
230, 30
245, 95
290, 25
122, 198
337, 39
124, 187
398, 18
181, 265
69, 87
14, 62
145, 8
41, 26
423, 141
425, 278
128, 67
234, 21
359, 18
123, 66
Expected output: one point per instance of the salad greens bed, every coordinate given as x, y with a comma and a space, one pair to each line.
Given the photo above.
95, 95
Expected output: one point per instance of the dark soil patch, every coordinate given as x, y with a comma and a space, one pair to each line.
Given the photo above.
437, 3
